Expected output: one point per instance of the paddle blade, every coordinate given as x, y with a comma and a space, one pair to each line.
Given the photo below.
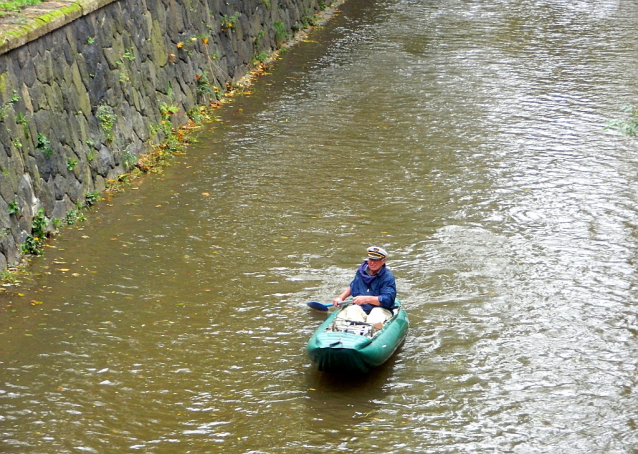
319, 306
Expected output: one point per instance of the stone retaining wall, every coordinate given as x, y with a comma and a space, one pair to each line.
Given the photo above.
85, 86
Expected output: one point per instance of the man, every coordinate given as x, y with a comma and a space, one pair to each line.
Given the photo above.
373, 290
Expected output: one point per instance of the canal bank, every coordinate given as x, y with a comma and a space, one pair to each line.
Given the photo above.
88, 87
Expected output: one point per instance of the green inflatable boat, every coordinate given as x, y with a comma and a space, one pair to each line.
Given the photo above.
356, 346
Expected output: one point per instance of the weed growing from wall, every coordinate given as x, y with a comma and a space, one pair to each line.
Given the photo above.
21, 119
128, 159
229, 22
91, 198
73, 216
43, 145
206, 91
281, 34
107, 118
14, 208
4, 108
34, 241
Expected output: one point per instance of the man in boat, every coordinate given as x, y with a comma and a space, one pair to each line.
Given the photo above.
373, 290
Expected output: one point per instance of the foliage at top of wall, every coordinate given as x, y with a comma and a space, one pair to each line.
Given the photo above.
13, 7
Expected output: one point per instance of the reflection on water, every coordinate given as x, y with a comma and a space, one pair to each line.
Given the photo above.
465, 137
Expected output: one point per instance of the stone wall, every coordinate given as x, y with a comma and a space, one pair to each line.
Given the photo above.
84, 91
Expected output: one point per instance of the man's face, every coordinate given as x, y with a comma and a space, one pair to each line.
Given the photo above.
375, 265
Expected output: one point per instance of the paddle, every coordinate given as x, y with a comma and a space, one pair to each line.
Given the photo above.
319, 306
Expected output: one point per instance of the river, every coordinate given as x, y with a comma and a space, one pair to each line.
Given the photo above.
465, 137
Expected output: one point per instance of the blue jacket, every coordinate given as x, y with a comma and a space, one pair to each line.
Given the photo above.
381, 284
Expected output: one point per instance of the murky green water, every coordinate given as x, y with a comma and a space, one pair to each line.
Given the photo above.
465, 137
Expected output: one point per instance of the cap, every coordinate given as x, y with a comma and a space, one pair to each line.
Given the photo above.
376, 253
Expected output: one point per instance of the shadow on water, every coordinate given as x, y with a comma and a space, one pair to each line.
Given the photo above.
354, 384
354, 400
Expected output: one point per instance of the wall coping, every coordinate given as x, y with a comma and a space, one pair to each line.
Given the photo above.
38, 20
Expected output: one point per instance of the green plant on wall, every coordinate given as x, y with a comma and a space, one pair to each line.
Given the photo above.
204, 87
91, 198
281, 35
14, 208
229, 22
260, 57
128, 55
257, 40
34, 241
128, 159
21, 119
71, 163
43, 145
167, 110
4, 108
74, 215
107, 118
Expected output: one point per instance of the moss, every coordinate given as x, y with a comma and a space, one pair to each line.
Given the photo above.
160, 55
72, 10
50, 17
3, 82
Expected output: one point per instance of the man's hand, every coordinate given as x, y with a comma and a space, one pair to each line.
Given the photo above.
362, 299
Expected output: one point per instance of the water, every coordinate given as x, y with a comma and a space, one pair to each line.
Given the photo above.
465, 137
